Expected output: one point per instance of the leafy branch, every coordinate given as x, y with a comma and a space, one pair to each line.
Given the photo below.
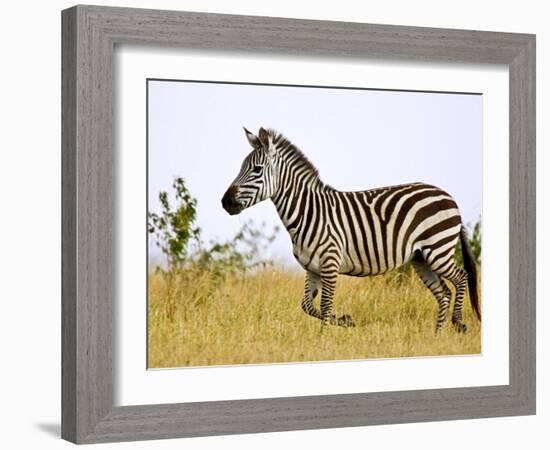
179, 238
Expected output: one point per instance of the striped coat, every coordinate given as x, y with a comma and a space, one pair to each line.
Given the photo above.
356, 233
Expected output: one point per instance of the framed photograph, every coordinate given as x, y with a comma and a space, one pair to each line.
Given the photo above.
268, 222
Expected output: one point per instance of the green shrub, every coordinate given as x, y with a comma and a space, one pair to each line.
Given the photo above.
179, 238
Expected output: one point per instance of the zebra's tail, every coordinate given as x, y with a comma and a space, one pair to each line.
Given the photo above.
471, 270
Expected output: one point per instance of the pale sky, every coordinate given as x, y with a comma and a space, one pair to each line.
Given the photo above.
358, 139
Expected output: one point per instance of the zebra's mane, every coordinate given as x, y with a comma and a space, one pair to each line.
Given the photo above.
287, 148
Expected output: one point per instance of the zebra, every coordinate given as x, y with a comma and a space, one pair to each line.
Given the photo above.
359, 233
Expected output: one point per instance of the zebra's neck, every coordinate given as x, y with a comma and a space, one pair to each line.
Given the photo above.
298, 183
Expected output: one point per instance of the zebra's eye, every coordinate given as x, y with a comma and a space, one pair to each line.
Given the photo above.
257, 169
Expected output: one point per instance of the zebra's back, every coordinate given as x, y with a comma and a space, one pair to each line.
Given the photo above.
380, 229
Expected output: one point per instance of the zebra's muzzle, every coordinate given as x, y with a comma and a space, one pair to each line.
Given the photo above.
230, 202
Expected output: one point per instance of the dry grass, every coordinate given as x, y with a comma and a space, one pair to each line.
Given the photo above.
257, 319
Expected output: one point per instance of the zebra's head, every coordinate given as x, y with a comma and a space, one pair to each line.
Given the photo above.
256, 180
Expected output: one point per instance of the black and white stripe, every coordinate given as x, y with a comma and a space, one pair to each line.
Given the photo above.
356, 233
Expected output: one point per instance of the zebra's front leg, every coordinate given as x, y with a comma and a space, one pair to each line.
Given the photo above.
328, 282
313, 283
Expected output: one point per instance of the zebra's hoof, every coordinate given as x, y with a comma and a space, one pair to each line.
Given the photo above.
461, 328
346, 321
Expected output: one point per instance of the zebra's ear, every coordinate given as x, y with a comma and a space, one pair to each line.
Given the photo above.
264, 136
252, 139
265, 140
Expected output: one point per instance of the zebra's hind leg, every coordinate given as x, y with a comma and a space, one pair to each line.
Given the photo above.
437, 287
459, 278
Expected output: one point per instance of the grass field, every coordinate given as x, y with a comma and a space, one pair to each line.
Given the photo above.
195, 320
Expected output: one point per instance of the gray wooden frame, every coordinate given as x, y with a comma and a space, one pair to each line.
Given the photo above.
89, 37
